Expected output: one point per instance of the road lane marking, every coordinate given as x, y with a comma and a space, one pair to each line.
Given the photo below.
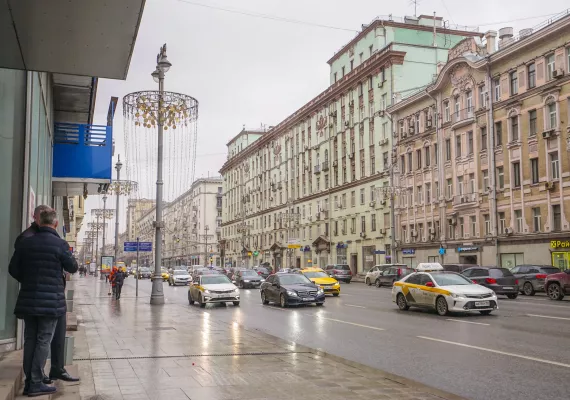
354, 305
467, 322
349, 323
504, 353
547, 316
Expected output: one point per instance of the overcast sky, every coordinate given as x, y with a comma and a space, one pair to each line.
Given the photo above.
251, 71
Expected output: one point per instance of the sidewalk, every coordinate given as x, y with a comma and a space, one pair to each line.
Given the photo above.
136, 351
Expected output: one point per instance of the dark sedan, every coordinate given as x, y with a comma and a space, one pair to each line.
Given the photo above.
532, 277
144, 273
291, 289
499, 280
247, 278
262, 271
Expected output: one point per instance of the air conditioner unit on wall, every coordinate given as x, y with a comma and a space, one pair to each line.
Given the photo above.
558, 73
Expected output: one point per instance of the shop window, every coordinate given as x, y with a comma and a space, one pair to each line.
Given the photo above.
509, 260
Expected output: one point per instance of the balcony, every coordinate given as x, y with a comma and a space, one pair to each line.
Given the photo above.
325, 166
82, 156
317, 169
462, 118
465, 200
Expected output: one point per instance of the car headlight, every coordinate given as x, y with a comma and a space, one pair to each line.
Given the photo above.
320, 291
457, 295
246, 280
206, 291
292, 293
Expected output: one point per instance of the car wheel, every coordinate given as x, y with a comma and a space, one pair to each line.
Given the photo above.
241, 284
336, 294
485, 312
202, 304
282, 301
263, 298
401, 302
528, 289
377, 283
236, 303
441, 306
513, 296
190, 300
320, 304
555, 292
367, 281
347, 282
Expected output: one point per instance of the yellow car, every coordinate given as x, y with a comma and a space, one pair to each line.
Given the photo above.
320, 278
165, 274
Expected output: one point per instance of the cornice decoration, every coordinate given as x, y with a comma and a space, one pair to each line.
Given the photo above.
277, 149
461, 76
321, 124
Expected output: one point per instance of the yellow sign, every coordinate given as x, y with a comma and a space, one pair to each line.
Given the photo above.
294, 246
249, 253
555, 244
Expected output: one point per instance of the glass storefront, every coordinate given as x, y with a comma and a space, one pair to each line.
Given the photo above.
561, 259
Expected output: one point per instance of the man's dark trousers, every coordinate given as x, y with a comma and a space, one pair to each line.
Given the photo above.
38, 333
58, 346
118, 289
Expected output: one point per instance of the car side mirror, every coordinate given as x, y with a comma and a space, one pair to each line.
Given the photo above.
429, 284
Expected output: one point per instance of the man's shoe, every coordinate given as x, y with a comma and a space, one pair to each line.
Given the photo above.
62, 375
26, 388
40, 390
47, 380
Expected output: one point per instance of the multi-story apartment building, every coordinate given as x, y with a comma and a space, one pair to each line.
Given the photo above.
135, 210
482, 154
74, 210
304, 192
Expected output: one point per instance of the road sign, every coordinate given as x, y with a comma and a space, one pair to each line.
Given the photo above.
142, 246
441, 251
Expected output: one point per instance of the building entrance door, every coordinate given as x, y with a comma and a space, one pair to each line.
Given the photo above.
353, 263
561, 259
470, 259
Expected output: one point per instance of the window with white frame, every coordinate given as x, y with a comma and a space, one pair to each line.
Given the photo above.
536, 219
497, 89
554, 165
469, 98
456, 108
428, 193
550, 66
446, 110
419, 193
460, 185
502, 223
449, 188
487, 219
551, 116
482, 97
461, 227
473, 224
485, 180
514, 125
519, 221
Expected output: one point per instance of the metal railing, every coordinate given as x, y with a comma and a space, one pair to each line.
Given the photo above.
317, 169
325, 166
524, 33
462, 115
465, 198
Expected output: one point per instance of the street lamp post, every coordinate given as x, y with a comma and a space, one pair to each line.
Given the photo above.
206, 259
104, 212
117, 192
162, 66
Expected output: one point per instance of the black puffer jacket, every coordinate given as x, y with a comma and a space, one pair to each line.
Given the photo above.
38, 264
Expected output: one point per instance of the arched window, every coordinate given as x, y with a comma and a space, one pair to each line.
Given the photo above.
550, 113
326, 155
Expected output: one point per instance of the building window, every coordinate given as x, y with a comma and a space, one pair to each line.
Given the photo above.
435, 155
531, 75
449, 188
556, 218
515, 128
487, 220
335, 78
550, 66
372, 193
403, 164
428, 193
482, 97
446, 111
447, 149
385, 159
461, 227
456, 108
502, 223
419, 195
568, 56
473, 223
500, 177
410, 163
343, 71
532, 123
457, 146
419, 159
514, 83
554, 165
551, 109
351, 65
519, 221
370, 49
451, 231
517, 174
427, 156
499, 133
362, 196
470, 142
484, 138
353, 199
485, 180
460, 185
534, 170
363, 224
469, 98
497, 89
373, 222
536, 219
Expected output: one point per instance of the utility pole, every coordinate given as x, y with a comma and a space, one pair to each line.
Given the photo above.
162, 66
117, 193
206, 258
104, 212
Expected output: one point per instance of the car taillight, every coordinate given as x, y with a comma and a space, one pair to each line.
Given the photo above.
350, 273
399, 271
516, 281
473, 280
541, 276
335, 271
258, 273
490, 280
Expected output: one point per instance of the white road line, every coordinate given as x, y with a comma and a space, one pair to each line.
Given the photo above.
547, 316
349, 323
353, 305
467, 322
504, 353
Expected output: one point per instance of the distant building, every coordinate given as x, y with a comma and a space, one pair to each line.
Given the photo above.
135, 210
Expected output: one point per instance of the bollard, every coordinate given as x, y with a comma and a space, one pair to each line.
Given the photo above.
69, 294
68, 350
69, 305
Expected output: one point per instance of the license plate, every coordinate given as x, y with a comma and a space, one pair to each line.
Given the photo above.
309, 299
482, 304
507, 287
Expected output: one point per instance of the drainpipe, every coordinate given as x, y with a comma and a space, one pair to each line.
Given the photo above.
492, 168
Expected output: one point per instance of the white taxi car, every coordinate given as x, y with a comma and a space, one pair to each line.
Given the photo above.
213, 288
432, 287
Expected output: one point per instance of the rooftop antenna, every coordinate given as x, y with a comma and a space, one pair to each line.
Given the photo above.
415, 3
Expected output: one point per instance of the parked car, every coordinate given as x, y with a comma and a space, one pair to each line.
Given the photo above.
498, 279
262, 271
374, 272
341, 272
458, 267
558, 285
291, 289
532, 277
392, 274
179, 277
247, 278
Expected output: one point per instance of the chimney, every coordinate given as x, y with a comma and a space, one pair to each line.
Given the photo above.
491, 37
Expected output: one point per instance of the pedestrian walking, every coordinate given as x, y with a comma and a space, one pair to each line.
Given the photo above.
119, 279
38, 263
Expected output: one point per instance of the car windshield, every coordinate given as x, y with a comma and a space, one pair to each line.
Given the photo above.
293, 279
263, 270
177, 272
450, 279
145, 269
499, 272
208, 272
550, 270
249, 273
316, 274
216, 279
343, 267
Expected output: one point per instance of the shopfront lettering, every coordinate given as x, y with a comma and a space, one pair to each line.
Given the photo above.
555, 244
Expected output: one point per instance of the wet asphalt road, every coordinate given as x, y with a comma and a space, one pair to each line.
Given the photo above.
520, 351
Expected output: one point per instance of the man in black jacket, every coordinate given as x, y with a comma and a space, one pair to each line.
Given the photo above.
119, 279
38, 264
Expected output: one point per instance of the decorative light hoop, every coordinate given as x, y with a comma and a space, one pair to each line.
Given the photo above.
123, 187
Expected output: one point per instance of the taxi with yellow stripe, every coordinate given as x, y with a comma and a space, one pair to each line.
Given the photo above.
323, 280
432, 287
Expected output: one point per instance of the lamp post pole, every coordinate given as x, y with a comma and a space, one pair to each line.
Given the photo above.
97, 248
117, 193
206, 259
104, 215
163, 65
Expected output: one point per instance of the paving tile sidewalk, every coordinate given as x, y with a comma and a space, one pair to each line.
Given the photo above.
130, 350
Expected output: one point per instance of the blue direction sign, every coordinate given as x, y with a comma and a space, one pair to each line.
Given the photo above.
142, 246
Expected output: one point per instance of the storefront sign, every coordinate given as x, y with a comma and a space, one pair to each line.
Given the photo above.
368, 258
408, 251
293, 246
467, 249
379, 252
555, 244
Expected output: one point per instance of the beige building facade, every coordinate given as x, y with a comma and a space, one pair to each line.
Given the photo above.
74, 214
482, 154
